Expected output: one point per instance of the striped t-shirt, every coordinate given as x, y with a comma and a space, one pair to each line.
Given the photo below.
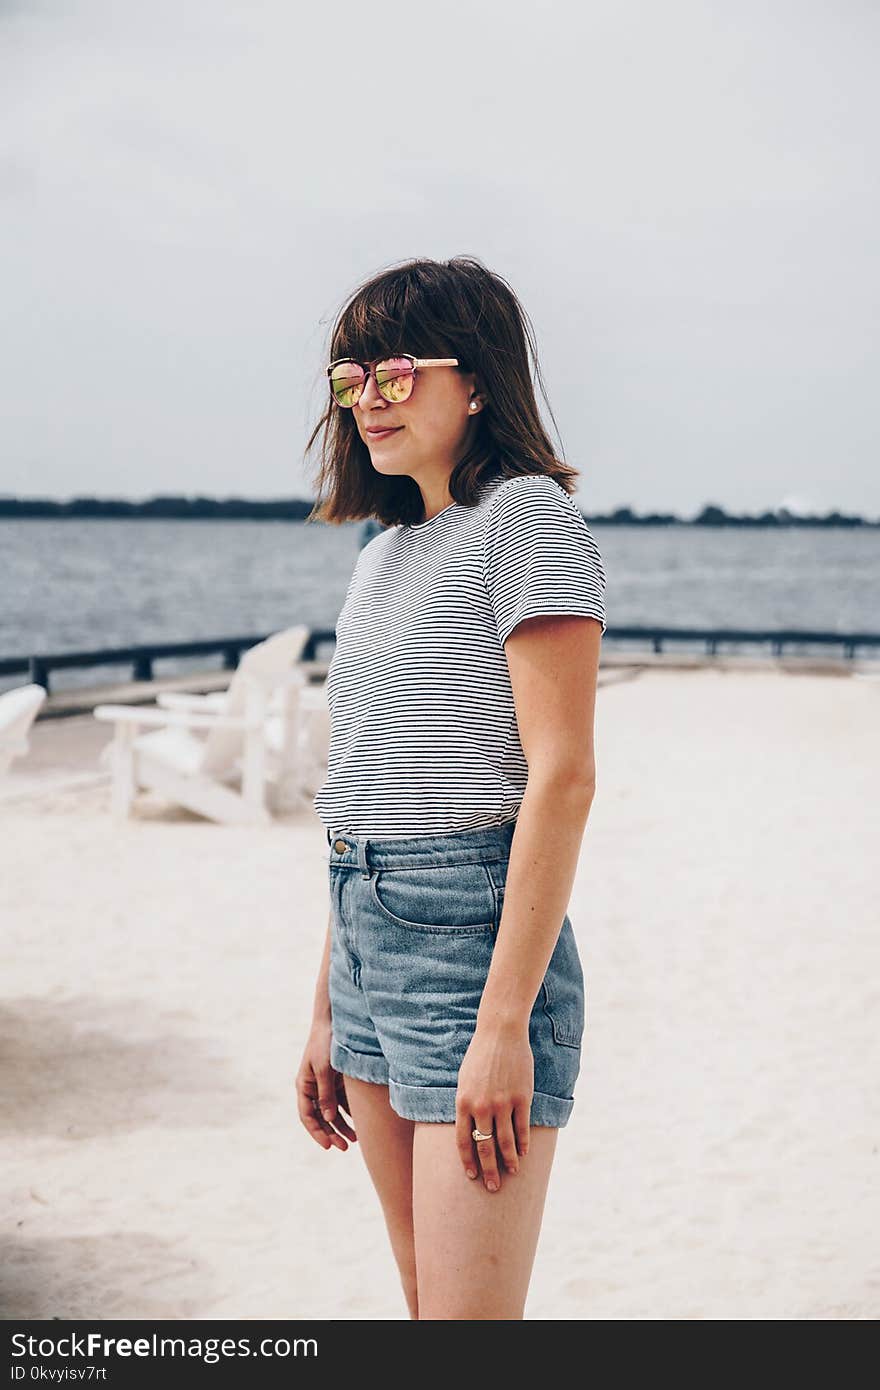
423, 732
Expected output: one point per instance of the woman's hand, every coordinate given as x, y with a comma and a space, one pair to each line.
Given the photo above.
320, 1092
496, 1081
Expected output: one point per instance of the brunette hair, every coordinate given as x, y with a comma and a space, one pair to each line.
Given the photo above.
456, 308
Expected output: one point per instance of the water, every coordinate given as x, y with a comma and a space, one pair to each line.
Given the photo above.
99, 582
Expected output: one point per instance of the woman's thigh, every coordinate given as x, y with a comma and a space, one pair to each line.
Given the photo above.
386, 1143
475, 1249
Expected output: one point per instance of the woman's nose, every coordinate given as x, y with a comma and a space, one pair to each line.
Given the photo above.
370, 394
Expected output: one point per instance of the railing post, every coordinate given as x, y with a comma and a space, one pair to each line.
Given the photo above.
38, 673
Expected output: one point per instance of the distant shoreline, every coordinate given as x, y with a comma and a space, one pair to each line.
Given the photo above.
298, 509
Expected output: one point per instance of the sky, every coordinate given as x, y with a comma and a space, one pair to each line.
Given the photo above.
684, 197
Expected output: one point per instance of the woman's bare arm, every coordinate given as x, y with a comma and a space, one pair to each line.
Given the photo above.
553, 667
553, 664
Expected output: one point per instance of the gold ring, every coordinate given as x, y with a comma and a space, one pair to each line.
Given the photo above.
476, 1134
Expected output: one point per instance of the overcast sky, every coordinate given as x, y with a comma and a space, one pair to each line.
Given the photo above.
684, 195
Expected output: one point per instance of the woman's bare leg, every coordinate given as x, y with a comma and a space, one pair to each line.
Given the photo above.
386, 1142
475, 1249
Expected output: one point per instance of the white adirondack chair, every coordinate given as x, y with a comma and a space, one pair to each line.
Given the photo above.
227, 776
297, 757
18, 710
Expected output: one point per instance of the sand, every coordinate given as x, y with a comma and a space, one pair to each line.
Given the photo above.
723, 1157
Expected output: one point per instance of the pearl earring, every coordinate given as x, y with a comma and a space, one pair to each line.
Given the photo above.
472, 406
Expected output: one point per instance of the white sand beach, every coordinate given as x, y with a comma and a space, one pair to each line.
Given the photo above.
723, 1157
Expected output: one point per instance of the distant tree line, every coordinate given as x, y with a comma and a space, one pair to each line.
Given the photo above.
181, 508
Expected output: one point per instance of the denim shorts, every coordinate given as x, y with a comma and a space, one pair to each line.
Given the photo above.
413, 927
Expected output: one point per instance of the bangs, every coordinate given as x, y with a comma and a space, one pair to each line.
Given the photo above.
387, 317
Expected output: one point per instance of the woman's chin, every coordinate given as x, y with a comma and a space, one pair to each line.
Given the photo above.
386, 469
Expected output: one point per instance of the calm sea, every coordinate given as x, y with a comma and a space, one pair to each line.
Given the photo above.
66, 585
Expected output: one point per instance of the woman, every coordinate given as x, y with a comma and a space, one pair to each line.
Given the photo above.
449, 1007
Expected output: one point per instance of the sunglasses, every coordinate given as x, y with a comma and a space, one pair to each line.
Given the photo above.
394, 377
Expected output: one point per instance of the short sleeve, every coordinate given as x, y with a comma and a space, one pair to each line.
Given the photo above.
540, 557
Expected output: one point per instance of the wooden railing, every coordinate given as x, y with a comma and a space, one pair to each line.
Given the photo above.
39, 667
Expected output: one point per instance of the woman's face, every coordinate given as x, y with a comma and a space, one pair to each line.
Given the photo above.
429, 429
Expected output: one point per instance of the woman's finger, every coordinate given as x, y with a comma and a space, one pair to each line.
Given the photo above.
487, 1152
341, 1124
506, 1142
342, 1103
328, 1101
463, 1141
521, 1120
318, 1124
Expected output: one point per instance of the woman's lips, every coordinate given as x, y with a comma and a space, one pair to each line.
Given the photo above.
383, 434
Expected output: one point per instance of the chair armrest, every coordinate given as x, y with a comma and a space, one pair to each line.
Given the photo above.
275, 686
184, 699
164, 718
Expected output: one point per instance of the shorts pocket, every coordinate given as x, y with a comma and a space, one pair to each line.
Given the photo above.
562, 990
456, 898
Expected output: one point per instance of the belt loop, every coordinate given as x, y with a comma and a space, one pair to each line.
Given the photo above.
363, 863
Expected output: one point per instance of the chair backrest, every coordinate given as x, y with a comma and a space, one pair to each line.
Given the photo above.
18, 709
258, 668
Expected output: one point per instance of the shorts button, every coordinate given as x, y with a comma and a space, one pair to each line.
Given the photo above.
340, 846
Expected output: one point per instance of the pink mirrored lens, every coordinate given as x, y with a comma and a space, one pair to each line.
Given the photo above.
346, 382
394, 378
